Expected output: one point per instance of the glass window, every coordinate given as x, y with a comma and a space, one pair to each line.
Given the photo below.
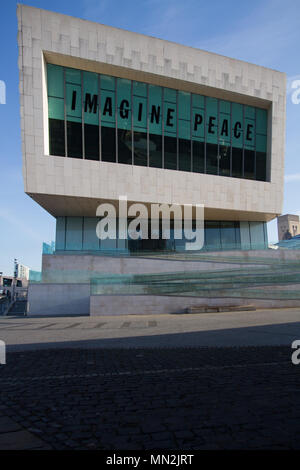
57, 137
170, 129
249, 164
184, 150
198, 147
237, 125
228, 235
224, 155
170, 153
155, 126
198, 156
140, 124
124, 121
56, 113
211, 136
120, 120
237, 162
155, 150
261, 165
74, 113
184, 131
7, 282
108, 142
212, 235
108, 118
74, 232
90, 239
261, 144
91, 115
211, 159
140, 148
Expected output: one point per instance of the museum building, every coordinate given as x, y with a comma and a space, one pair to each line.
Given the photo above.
107, 113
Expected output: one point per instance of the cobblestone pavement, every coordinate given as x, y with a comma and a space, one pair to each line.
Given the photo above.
173, 398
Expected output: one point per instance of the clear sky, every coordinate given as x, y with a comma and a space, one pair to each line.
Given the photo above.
265, 32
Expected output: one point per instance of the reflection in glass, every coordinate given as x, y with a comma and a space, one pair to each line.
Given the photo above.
249, 164
108, 138
91, 141
228, 235
212, 235
198, 157
140, 148
74, 135
155, 150
57, 137
124, 146
261, 165
184, 155
211, 159
224, 160
237, 162
170, 153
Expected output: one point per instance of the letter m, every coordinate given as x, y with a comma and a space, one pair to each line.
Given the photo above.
165, 211
91, 103
2, 92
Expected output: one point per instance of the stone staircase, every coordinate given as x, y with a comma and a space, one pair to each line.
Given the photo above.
18, 309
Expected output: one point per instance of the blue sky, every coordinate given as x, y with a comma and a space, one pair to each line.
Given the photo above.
263, 32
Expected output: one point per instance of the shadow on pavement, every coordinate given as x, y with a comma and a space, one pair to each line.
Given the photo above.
262, 335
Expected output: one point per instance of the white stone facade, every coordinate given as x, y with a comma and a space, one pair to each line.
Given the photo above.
67, 186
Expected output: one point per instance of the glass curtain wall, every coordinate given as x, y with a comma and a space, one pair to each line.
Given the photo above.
100, 117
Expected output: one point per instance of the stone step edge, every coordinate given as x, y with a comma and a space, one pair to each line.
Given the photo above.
210, 309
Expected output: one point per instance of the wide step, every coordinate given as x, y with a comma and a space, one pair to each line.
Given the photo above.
227, 308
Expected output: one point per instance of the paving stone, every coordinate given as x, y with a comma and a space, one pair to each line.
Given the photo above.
232, 398
8, 425
21, 440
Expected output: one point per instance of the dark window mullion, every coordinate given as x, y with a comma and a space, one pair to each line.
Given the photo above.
243, 153
65, 114
255, 144
205, 134
230, 174
99, 116
177, 132
116, 120
148, 143
82, 116
162, 127
132, 129
191, 132
218, 135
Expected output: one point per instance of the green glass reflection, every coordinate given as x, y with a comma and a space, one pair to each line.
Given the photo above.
225, 132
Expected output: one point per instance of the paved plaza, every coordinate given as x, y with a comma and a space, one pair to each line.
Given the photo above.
76, 383
247, 328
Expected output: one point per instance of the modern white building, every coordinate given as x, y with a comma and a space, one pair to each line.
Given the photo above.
22, 271
107, 112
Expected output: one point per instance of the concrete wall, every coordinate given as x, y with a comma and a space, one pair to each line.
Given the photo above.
68, 186
81, 268
151, 304
60, 295
58, 299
